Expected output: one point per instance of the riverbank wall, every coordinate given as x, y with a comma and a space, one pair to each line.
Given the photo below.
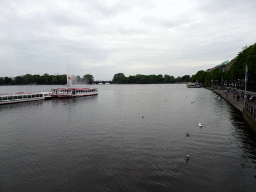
247, 109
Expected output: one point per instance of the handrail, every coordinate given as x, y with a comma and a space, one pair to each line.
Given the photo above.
251, 108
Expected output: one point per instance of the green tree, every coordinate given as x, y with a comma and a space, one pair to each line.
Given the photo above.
185, 78
199, 76
1, 81
143, 79
46, 78
137, 78
88, 78
119, 78
131, 79
246, 57
167, 78
63, 79
217, 74
13, 82
28, 79
19, 80
54, 80
152, 79
178, 79
159, 78
7, 81
38, 79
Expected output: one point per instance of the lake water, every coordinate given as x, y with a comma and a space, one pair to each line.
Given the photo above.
128, 138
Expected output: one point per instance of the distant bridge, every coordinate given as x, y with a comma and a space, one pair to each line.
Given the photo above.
103, 82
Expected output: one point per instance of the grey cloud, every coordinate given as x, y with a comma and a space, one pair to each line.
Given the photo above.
171, 23
52, 55
68, 19
123, 6
36, 43
105, 11
85, 51
218, 6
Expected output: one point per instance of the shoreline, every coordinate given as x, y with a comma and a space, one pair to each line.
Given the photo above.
247, 109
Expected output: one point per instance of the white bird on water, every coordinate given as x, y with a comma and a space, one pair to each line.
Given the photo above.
200, 124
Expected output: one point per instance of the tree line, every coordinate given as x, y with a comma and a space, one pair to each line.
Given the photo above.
120, 78
45, 79
236, 71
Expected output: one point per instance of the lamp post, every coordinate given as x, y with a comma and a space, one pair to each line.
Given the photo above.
245, 82
221, 83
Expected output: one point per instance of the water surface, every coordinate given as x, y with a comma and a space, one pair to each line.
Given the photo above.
128, 138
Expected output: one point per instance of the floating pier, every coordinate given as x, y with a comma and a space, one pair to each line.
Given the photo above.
20, 97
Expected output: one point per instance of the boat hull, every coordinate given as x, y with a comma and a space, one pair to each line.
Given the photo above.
65, 96
71, 96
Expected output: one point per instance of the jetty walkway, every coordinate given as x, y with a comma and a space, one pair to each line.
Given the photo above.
248, 109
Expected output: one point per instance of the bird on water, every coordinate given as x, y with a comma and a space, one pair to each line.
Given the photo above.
187, 158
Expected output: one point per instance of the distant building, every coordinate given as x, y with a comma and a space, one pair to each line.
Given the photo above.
224, 66
230, 63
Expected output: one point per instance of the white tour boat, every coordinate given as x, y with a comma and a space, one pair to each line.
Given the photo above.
77, 92
193, 85
69, 92
8, 98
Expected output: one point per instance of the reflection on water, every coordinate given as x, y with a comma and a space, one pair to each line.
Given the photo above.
102, 143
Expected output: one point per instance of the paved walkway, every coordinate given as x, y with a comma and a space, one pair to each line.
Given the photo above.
230, 99
248, 112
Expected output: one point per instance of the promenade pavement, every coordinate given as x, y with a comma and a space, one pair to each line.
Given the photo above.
247, 109
230, 99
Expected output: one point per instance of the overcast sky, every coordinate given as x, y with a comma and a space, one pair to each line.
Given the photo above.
105, 37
